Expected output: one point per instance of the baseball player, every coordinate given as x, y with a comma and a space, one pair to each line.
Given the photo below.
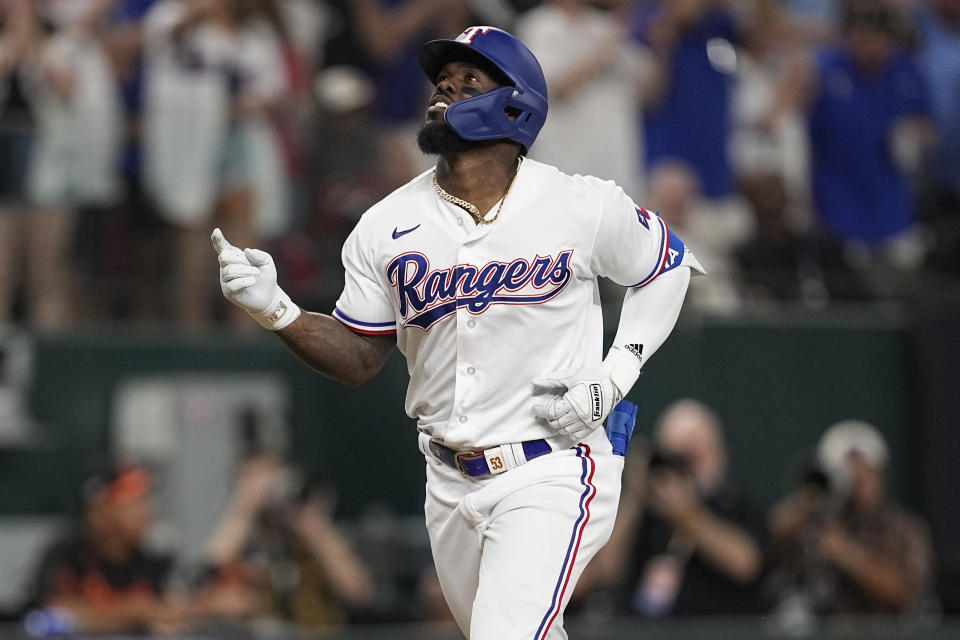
483, 273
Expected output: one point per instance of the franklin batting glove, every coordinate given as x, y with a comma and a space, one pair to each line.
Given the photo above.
248, 279
591, 393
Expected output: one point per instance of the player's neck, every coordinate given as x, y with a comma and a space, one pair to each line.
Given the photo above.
479, 176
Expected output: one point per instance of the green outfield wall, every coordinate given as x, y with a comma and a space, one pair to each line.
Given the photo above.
775, 387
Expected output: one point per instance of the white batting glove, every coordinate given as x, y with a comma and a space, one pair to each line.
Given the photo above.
591, 393
248, 279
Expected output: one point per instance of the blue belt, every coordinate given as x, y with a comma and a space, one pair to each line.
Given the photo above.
474, 463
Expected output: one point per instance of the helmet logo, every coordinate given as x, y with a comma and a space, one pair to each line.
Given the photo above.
467, 36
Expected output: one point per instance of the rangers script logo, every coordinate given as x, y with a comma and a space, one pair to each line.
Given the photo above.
426, 296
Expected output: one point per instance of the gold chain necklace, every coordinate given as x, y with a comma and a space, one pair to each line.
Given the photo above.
471, 208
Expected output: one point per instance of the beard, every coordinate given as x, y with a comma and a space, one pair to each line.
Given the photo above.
438, 138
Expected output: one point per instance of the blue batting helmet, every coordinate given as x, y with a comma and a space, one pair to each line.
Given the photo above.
514, 112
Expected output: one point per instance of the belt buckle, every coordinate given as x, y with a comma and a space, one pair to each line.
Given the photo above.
460, 454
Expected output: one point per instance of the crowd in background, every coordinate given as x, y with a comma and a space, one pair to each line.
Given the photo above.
807, 150
688, 542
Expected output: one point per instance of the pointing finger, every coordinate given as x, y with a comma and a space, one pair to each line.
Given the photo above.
219, 242
226, 252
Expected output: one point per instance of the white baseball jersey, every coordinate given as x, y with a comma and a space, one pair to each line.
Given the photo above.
481, 310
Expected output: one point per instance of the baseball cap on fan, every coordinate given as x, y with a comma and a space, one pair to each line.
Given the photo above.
118, 484
848, 437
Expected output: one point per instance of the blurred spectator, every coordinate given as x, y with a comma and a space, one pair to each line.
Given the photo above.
840, 545
368, 98
76, 167
816, 20
687, 540
301, 25
102, 578
596, 77
275, 71
770, 154
17, 35
938, 23
689, 117
674, 191
777, 264
57, 139
214, 72
277, 540
867, 117
307, 25
768, 141
120, 251
349, 169
389, 33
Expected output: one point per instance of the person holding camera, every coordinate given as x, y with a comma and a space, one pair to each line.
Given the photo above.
278, 548
688, 541
841, 546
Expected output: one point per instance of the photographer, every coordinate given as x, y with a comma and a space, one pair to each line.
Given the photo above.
278, 548
841, 547
687, 541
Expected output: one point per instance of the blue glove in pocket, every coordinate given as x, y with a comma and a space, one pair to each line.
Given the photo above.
620, 425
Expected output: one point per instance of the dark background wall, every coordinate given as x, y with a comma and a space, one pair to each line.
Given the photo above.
776, 389
775, 386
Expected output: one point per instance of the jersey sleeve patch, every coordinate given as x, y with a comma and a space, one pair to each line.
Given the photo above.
662, 253
643, 217
366, 328
673, 253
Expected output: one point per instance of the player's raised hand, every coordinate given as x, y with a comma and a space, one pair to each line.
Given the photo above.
588, 395
248, 279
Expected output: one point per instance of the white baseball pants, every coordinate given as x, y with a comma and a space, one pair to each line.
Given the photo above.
509, 548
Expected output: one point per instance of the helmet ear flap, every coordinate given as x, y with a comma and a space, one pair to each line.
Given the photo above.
530, 114
500, 113
482, 117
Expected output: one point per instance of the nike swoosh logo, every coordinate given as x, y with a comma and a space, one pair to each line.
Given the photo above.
397, 234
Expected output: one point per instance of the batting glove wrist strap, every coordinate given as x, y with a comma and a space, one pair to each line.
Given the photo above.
279, 313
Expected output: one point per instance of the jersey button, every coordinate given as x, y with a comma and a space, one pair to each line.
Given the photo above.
471, 370
471, 323
463, 419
